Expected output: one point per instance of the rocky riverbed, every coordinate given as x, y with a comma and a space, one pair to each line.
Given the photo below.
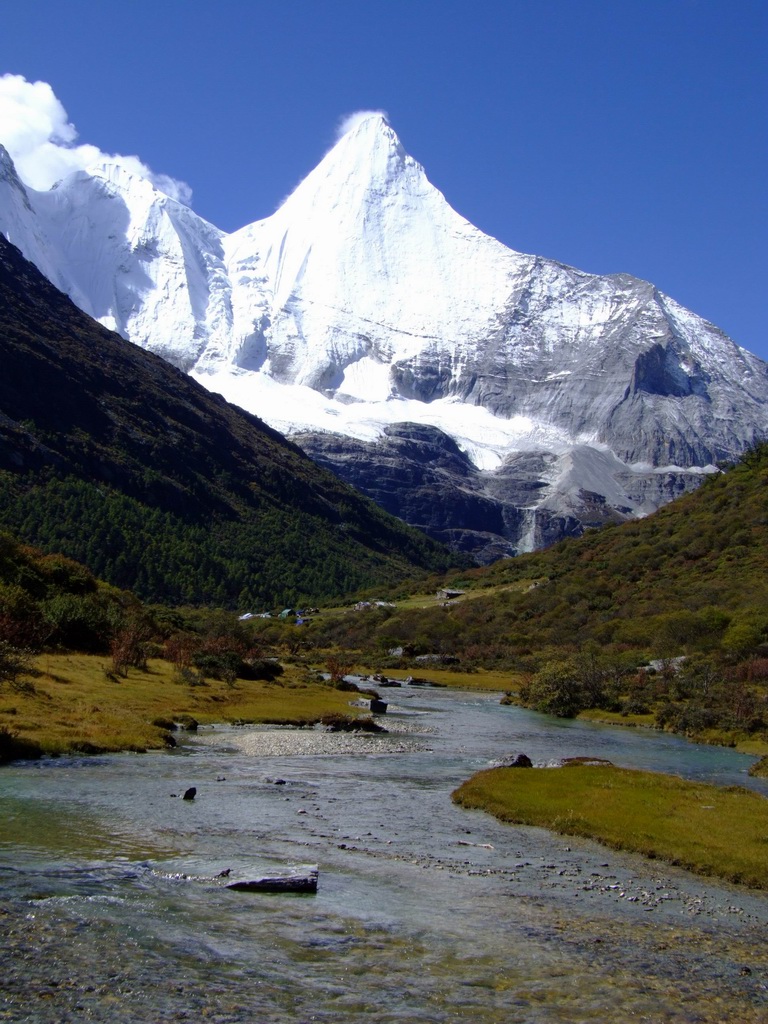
399, 737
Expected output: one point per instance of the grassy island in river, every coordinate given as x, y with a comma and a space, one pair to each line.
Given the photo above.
711, 830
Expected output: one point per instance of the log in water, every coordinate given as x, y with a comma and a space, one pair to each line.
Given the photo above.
303, 883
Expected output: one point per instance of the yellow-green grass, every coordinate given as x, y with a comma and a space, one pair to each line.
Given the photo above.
72, 703
757, 745
616, 718
745, 743
741, 741
707, 829
479, 680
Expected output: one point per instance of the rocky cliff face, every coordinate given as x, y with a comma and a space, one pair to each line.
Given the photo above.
497, 399
418, 473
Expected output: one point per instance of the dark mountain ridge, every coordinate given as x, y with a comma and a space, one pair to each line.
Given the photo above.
102, 442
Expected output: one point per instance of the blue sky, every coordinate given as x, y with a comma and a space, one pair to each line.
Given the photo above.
623, 136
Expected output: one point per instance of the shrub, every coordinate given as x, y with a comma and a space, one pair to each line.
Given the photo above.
224, 665
556, 690
80, 623
266, 669
13, 661
189, 677
131, 646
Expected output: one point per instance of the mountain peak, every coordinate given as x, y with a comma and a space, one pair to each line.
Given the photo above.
367, 163
369, 148
373, 126
365, 120
123, 181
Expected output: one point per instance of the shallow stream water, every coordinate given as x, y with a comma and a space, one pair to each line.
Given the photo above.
425, 912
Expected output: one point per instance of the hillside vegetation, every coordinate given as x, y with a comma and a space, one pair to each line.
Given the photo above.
113, 457
662, 620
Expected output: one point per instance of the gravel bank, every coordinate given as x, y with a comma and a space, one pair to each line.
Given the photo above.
271, 741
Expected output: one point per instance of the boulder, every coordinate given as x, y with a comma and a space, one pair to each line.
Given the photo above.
518, 761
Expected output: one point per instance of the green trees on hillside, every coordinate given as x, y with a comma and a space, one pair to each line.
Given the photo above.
279, 556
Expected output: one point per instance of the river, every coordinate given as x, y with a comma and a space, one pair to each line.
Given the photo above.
425, 912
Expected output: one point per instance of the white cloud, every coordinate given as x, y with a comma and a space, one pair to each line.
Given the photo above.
350, 121
36, 131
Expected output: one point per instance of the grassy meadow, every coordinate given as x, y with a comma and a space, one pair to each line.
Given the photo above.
710, 830
74, 702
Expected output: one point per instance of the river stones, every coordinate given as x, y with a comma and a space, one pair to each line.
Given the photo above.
517, 761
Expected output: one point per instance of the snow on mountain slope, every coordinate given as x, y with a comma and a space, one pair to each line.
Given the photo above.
364, 262
365, 301
131, 257
20, 224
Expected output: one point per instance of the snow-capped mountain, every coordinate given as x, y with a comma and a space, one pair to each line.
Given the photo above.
369, 319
